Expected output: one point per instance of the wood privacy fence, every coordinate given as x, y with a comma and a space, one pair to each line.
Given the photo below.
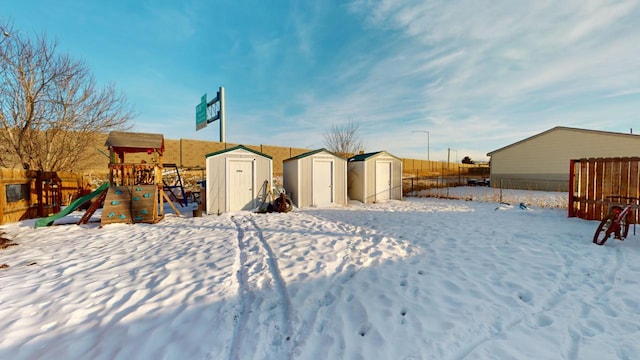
593, 180
29, 194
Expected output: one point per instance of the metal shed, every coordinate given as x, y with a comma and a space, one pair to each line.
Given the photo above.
374, 177
235, 179
316, 178
542, 161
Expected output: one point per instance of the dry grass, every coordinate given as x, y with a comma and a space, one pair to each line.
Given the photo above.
545, 199
5, 243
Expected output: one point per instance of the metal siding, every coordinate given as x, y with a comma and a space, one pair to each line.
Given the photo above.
298, 178
366, 177
264, 172
216, 170
551, 153
370, 178
215, 197
396, 176
290, 180
355, 178
340, 181
542, 162
305, 182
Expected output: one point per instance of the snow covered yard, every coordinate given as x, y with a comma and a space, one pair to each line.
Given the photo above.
423, 278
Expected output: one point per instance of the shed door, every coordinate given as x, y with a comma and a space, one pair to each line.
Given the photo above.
240, 189
322, 182
383, 180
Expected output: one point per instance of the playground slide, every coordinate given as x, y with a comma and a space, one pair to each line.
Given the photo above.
48, 221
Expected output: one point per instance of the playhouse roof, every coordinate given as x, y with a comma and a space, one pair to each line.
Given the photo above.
121, 141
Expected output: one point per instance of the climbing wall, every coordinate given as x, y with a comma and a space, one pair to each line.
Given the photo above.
130, 204
143, 204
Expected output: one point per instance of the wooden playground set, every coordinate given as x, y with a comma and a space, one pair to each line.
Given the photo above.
135, 192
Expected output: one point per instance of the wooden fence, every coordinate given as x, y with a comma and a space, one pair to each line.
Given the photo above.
593, 180
30, 194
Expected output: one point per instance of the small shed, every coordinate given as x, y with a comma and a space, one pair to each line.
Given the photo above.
316, 178
374, 177
236, 179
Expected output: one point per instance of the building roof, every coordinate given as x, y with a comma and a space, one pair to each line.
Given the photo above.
304, 155
237, 148
557, 128
121, 141
362, 157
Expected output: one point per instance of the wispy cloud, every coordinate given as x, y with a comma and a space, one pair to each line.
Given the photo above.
484, 67
477, 75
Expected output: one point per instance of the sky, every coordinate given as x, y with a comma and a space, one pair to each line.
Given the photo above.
421, 79
375, 281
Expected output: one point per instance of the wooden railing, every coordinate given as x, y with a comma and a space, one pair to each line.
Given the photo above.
127, 174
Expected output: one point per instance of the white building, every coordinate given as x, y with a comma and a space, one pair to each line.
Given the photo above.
374, 177
316, 178
542, 161
236, 179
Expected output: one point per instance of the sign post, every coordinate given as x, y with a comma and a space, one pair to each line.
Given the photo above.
210, 111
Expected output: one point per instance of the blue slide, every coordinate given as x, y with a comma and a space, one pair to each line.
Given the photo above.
48, 221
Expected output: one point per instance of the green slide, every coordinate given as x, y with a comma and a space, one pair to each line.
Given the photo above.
47, 221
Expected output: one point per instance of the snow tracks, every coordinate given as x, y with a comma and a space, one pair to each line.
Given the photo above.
302, 280
264, 314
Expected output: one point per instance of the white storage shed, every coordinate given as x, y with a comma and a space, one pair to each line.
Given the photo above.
374, 177
316, 178
235, 179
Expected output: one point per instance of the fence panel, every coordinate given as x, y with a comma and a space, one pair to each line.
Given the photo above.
596, 179
30, 194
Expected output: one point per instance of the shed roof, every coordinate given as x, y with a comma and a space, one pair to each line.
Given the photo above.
135, 142
363, 157
304, 155
557, 128
237, 148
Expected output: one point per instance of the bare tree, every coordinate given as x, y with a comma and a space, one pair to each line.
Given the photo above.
344, 140
51, 110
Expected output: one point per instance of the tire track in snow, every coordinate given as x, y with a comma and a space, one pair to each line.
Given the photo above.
280, 284
246, 296
254, 256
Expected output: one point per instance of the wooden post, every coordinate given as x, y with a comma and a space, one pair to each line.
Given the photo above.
572, 176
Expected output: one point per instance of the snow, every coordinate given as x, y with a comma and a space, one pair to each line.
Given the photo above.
423, 278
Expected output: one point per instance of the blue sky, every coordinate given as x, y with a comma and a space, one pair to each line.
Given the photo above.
477, 75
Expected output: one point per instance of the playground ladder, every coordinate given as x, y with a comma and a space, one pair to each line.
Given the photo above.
172, 169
